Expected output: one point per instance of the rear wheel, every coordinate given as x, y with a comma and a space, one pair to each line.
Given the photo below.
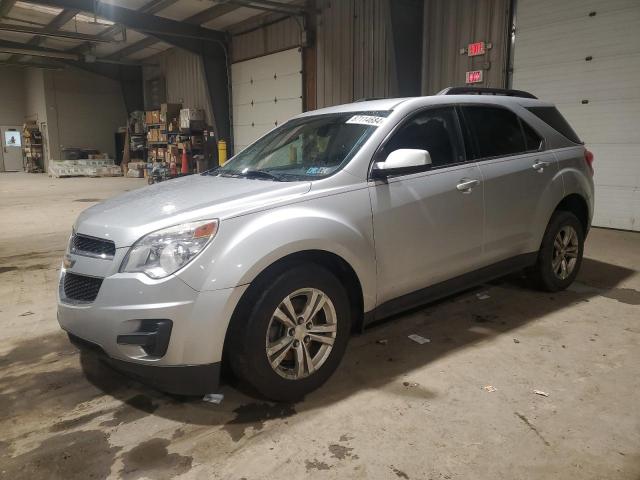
560, 254
294, 335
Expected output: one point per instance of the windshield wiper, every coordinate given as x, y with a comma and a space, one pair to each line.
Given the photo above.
211, 171
259, 174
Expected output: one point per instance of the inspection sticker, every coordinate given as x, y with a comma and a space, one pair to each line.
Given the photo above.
367, 120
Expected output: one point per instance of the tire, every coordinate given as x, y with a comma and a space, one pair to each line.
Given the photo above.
548, 274
255, 331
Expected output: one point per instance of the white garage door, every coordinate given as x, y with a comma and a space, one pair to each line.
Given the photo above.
266, 91
583, 56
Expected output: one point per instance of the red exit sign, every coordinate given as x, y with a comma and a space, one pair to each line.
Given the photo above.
477, 48
474, 76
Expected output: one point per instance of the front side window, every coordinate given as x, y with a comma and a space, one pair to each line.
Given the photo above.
497, 131
305, 148
434, 130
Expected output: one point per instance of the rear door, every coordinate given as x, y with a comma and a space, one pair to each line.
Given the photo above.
517, 174
427, 226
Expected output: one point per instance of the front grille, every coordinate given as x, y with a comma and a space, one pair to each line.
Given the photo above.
80, 287
93, 247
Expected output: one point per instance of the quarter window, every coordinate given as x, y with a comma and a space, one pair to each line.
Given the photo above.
532, 139
497, 131
434, 130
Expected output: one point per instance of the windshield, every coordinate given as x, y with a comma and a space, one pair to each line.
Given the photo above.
304, 148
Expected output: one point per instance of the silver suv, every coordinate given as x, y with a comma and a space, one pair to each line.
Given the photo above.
338, 218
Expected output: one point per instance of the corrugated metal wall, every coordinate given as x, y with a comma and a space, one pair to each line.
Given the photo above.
250, 40
185, 79
450, 25
354, 55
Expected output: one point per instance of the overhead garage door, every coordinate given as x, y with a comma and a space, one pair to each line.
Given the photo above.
583, 56
266, 91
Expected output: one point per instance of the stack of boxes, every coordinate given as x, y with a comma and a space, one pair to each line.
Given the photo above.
170, 131
98, 165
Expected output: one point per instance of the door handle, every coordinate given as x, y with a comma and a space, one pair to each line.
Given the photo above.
539, 166
466, 184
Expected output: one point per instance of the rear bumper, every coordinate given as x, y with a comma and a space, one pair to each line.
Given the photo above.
179, 380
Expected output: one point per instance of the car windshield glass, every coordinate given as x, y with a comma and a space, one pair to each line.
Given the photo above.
305, 148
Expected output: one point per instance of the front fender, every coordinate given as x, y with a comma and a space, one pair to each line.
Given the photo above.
246, 245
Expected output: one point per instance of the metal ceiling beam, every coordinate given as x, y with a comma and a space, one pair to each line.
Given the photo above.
152, 7
270, 6
17, 48
133, 48
197, 19
211, 13
20, 49
32, 64
170, 31
155, 6
58, 22
6, 6
48, 32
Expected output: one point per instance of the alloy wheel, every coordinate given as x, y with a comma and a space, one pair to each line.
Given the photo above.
301, 333
565, 252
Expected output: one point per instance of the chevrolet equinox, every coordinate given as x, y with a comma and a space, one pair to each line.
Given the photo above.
335, 219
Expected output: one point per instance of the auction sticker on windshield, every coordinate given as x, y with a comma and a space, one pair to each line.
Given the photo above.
366, 120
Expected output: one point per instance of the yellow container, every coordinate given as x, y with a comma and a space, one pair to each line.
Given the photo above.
222, 152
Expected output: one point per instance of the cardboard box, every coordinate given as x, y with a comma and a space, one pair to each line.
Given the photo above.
169, 111
191, 117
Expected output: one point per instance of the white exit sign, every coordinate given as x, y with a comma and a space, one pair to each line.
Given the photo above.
474, 76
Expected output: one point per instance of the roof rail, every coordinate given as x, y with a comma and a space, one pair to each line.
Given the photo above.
507, 92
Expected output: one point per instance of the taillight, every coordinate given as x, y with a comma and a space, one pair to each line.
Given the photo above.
588, 157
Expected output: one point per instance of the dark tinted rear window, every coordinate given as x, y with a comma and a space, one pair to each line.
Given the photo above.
497, 131
552, 117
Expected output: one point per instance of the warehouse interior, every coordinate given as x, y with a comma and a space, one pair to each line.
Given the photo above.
102, 97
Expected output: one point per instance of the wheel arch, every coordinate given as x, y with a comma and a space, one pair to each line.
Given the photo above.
332, 262
576, 204
323, 258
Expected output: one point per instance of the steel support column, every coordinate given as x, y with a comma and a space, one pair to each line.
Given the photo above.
406, 31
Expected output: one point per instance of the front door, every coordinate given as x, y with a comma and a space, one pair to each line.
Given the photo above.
12, 148
427, 226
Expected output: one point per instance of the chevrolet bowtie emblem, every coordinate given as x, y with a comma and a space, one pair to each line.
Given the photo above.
67, 262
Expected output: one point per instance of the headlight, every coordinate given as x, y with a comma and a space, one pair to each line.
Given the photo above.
163, 252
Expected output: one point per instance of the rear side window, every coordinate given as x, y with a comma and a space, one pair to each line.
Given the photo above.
531, 138
497, 131
552, 117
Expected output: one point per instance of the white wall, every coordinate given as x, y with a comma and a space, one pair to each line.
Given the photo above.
86, 108
185, 80
35, 105
80, 109
11, 96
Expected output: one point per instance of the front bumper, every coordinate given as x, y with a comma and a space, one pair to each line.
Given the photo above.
199, 324
178, 380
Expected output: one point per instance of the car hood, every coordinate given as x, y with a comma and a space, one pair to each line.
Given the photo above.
127, 217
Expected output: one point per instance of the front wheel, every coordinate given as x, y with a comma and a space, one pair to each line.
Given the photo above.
560, 254
294, 335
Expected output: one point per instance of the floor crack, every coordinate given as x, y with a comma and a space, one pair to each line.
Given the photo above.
532, 427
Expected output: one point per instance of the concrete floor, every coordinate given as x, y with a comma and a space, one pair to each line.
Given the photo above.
394, 409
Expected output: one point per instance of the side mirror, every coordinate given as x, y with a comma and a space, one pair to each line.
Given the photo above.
402, 162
